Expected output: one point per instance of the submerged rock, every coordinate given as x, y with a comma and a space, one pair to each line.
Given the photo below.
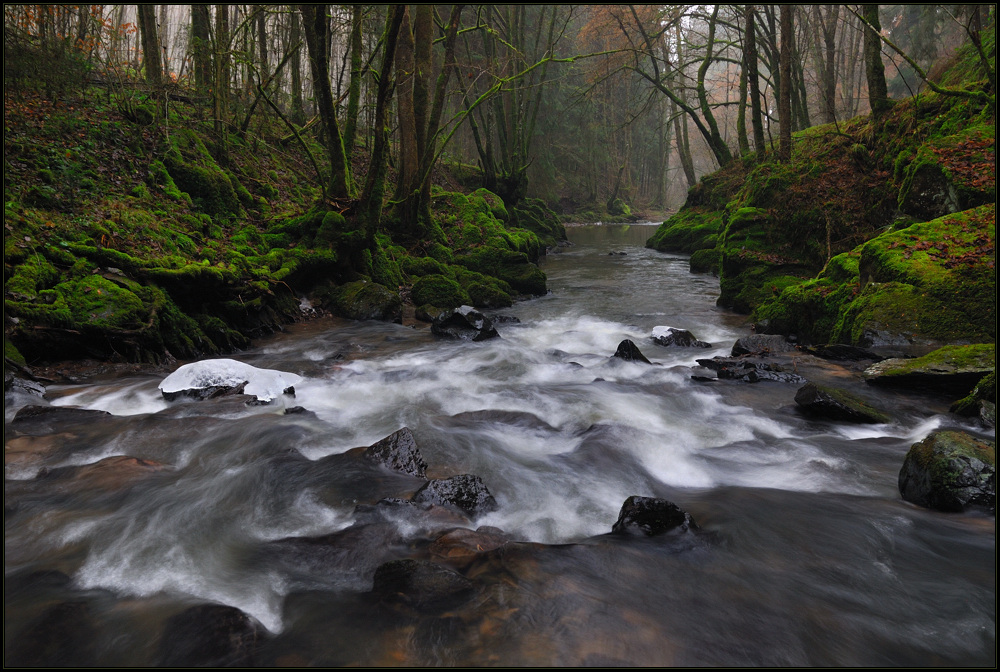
950, 471
210, 635
421, 583
460, 546
217, 377
671, 336
761, 344
630, 352
398, 452
464, 323
833, 404
465, 491
952, 370
63, 636
651, 516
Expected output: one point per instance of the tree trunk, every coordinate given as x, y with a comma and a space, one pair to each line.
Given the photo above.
314, 21
741, 114
220, 92
298, 115
200, 47
150, 45
265, 73
408, 165
756, 115
878, 96
785, 86
354, 88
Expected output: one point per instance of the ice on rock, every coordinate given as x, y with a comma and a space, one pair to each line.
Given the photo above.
662, 332
265, 384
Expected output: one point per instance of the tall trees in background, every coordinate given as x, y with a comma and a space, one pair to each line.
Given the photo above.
878, 95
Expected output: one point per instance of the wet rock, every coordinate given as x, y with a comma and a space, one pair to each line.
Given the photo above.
465, 491
981, 402
952, 370
398, 452
674, 337
651, 516
617, 253
57, 414
111, 473
630, 352
749, 370
833, 404
63, 636
363, 300
210, 635
421, 584
461, 546
950, 471
761, 345
464, 323
17, 385
844, 353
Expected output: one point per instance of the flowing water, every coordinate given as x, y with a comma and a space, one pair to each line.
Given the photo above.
805, 554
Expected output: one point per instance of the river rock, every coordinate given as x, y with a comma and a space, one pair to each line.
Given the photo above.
949, 371
362, 300
211, 378
112, 473
761, 345
398, 452
63, 636
981, 402
749, 370
464, 323
651, 516
421, 583
833, 404
844, 353
210, 635
630, 352
950, 471
465, 491
461, 545
672, 336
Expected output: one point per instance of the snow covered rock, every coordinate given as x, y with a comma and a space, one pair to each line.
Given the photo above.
672, 336
215, 377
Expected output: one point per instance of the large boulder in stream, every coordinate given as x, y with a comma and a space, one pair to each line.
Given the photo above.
630, 352
210, 635
950, 471
650, 516
464, 323
212, 378
362, 300
674, 337
465, 491
833, 404
749, 370
398, 452
949, 371
761, 345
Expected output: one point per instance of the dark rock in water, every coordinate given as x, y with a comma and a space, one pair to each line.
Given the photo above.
398, 452
844, 353
749, 370
421, 584
58, 414
16, 384
834, 404
617, 253
210, 392
299, 410
981, 402
651, 516
673, 337
464, 323
629, 351
210, 635
761, 344
950, 471
505, 319
63, 636
465, 491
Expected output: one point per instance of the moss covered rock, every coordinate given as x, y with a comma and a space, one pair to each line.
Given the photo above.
363, 300
951, 371
950, 471
981, 402
834, 404
439, 290
194, 170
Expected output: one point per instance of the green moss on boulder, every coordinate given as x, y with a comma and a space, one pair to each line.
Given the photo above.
440, 291
950, 471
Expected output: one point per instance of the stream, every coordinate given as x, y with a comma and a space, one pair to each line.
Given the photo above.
804, 553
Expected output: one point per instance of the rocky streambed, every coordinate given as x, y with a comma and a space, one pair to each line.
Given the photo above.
580, 489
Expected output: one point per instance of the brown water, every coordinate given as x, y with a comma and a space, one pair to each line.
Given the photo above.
805, 556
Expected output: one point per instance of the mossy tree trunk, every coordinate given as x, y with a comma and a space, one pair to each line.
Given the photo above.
753, 81
314, 22
220, 92
201, 48
878, 95
354, 88
298, 114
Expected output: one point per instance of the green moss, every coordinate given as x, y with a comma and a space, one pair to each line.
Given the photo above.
692, 229
12, 354
362, 300
440, 291
704, 261
194, 171
417, 266
493, 202
984, 391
